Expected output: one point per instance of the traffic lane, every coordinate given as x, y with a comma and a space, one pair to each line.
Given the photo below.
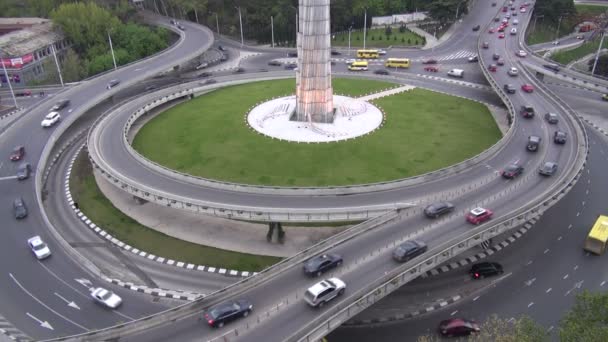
582, 99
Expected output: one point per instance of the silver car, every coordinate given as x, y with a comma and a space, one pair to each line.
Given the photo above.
548, 169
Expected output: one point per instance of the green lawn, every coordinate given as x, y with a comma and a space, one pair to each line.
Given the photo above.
424, 131
566, 57
100, 210
545, 30
378, 38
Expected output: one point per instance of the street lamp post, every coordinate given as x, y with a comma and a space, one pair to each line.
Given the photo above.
457, 8
217, 24
559, 22
350, 29
57, 64
8, 81
272, 29
112, 50
241, 24
597, 55
364, 27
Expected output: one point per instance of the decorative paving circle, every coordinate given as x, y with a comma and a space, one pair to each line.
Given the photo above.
353, 118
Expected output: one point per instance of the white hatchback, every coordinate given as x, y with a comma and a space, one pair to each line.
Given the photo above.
50, 119
106, 297
38, 247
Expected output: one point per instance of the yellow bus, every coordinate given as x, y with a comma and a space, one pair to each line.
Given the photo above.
368, 53
358, 66
598, 236
397, 63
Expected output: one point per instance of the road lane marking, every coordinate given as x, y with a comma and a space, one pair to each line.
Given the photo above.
529, 263
476, 298
559, 238
546, 251
529, 305
8, 177
602, 283
570, 226
42, 323
587, 192
453, 313
565, 277
583, 203
63, 281
548, 290
46, 306
530, 282
550, 328
578, 213
575, 267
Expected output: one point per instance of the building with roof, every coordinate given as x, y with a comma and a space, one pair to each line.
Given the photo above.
25, 52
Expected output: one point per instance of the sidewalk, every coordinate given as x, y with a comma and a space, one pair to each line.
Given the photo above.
238, 236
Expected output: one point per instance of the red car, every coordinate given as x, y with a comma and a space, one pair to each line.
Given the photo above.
492, 67
17, 153
479, 215
491, 30
458, 327
429, 61
501, 29
501, 36
528, 88
431, 68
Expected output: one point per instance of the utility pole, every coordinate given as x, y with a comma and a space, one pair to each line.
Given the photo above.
8, 81
217, 24
349, 31
364, 27
559, 22
57, 64
241, 24
599, 48
272, 29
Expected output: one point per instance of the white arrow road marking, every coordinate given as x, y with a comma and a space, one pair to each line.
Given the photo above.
70, 110
84, 282
46, 306
44, 324
529, 282
69, 303
9, 177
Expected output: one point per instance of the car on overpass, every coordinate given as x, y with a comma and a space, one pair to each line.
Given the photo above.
552, 118
521, 53
513, 71
533, 143
527, 111
321, 264
528, 88
509, 88
479, 215
223, 313
409, 250
59, 105
324, 291
456, 327
437, 209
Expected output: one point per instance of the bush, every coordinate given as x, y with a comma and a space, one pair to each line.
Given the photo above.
409, 41
395, 38
416, 42
402, 28
388, 31
403, 40
372, 37
380, 38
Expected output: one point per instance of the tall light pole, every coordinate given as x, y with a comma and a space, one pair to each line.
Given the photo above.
559, 22
57, 64
272, 29
241, 24
112, 50
350, 29
536, 17
8, 81
599, 48
364, 27
217, 24
457, 8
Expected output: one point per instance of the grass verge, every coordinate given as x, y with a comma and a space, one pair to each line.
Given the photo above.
424, 131
377, 38
587, 48
100, 210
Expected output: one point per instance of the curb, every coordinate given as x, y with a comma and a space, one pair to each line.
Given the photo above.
102, 233
11, 113
8, 330
445, 268
157, 292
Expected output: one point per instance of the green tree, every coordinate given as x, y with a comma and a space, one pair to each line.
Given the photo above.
71, 67
587, 320
388, 30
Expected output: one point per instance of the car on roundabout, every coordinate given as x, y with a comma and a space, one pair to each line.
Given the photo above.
527, 111
548, 169
106, 298
473, 59
218, 315
552, 118
491, 30
320, 264
501, 36
500, 61
23, 171
492, 67
533, 143
479, 215
560, 137
495, 56
434, 210
38, 247
457, 327
19, 208
322, 292
485, 45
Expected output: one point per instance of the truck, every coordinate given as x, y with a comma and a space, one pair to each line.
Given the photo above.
598, 236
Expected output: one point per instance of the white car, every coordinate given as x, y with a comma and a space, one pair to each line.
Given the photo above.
38, 247
106, 297
324, 291
350, 61
50, 119
555, 42
521, 53
515, 21
513, 31
382, 52
513, 71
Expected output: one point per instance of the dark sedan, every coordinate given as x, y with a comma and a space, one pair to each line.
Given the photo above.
560, 137
381, 72
223, 313
24, 170
458, 327
485, 269
17, 153
512, 171
322, 263
19, 208
548, 169
409, 250
437, 209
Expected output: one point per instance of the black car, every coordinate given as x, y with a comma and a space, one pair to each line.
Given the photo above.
335, 53
17, 153
59, 105
458, 327
291, 66
24, 170
204, 74
509, 88
512, 171
409, 250
485, 269
223, 313
238, 71
553, 67
527, 111
19, 208
274, 63
210, 81
437, 209
292, 54
533, 143
112, 84
476, 27
548, 169
381, 72
221, 48
560, 137
495, 56
322, 263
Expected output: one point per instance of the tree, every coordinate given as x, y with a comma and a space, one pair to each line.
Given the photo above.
587, 320
388, 30
602, 65
71, 67
496, 329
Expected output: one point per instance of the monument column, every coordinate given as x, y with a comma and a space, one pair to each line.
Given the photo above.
314, 94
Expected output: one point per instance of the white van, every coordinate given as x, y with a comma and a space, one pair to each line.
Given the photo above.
456, 73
